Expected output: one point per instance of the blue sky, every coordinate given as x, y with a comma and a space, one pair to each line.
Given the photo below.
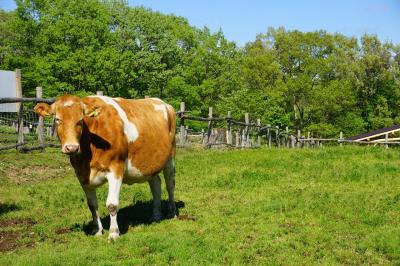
242, 20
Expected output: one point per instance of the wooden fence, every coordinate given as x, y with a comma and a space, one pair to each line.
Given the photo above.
254, 134
229, 133
21, 144
247, 133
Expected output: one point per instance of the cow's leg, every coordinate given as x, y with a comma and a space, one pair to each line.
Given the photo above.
92, 203
169, 176
114, 187
155, 186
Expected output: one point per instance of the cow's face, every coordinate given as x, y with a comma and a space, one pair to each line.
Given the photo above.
69, 112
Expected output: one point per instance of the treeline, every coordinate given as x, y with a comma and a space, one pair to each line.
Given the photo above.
314, 81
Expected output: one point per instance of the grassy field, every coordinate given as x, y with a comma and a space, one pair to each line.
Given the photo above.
265, 206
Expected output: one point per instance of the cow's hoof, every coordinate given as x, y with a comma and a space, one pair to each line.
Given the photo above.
98, 233
113, 236
156, 218
172, 215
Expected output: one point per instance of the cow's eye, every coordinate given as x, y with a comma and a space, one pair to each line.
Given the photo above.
58, 120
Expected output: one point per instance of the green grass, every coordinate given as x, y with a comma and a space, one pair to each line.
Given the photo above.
264, 206
9, 136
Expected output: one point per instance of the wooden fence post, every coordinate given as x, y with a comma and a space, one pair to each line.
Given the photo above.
182, 124
186, 133
287, 143
243, 138
308, 139
100, 93
210, 115
341, 138
229, 131
237, 144
277, 137
269, 139
246, 131
312, 142
20, 106
40, 132
298, 138
258, 135
386, 140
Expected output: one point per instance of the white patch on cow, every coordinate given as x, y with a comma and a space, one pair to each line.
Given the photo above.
133, 174
162, 108
68, 103
157, 99
130, 129
132, 171
99, 179
114, 187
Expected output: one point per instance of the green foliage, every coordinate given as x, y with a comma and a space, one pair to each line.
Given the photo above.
315, 81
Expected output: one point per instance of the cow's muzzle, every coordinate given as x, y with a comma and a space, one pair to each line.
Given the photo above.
70, 148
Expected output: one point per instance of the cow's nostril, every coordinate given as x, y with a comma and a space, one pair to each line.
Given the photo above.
70, 148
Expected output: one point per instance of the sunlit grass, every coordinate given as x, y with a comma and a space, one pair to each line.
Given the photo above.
264, 206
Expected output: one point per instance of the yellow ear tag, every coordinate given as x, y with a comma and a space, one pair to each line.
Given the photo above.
93, 113
46, 113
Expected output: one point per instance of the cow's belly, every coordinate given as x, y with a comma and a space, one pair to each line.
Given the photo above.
97, 178
135, 179
134, 175
131, 175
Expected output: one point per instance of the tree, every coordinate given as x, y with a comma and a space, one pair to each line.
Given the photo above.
312, 81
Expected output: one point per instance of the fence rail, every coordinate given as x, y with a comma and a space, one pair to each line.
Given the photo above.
26, 100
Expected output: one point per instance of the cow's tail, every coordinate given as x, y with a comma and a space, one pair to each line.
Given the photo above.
172, 127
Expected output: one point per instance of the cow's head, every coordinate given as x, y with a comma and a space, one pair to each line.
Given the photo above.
69, 112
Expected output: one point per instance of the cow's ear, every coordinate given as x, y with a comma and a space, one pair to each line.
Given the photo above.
43, 109
91, 110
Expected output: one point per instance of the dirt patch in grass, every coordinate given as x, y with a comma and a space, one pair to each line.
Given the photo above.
186, 217
34, 173
27, 222
9, 240
63, 230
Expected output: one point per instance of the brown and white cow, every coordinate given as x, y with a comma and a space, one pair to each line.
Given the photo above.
118, 141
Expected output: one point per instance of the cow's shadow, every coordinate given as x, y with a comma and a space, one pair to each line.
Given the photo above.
135, 214
6, 207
